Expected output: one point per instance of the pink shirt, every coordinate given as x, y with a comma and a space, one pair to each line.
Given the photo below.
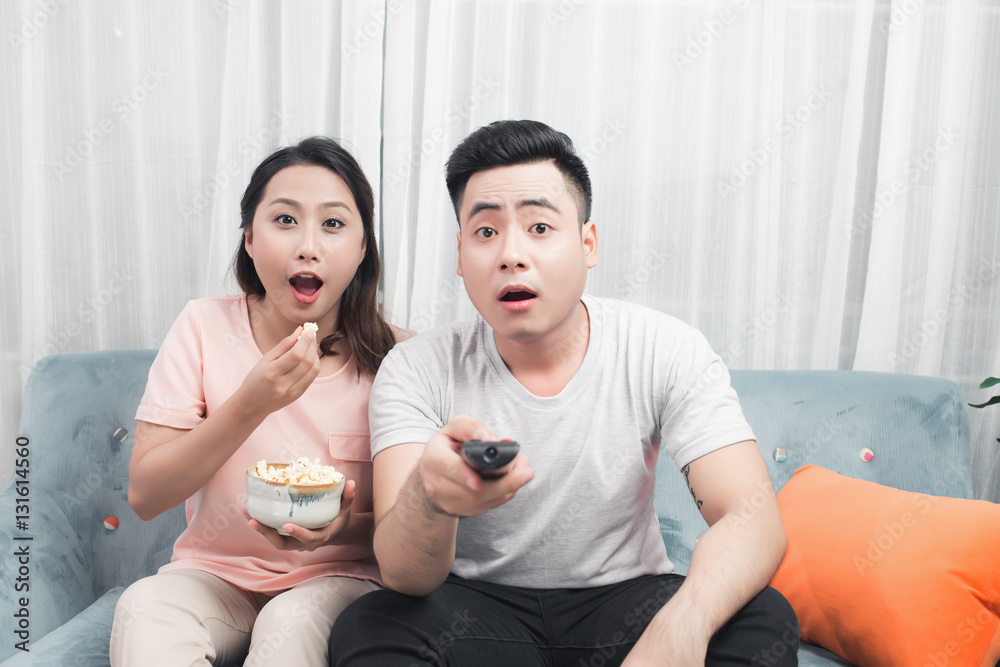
204, 359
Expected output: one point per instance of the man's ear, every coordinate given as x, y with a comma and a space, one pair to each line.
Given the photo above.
590, 245
248, 240
459, 237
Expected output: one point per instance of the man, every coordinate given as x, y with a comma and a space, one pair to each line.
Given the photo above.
560, 561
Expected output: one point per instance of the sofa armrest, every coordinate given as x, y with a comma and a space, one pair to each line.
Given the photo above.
83, 640
48, 571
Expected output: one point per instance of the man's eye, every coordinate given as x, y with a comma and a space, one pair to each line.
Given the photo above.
485, 232
540, 228
285, 219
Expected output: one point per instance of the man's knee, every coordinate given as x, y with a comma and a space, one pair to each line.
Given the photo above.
778, 642
362, 620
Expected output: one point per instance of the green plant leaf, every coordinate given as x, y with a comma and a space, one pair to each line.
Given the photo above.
989, 382
992, 401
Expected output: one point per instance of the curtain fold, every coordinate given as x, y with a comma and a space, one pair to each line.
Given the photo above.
813, 185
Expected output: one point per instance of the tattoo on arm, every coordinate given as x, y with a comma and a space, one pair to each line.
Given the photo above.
687, 478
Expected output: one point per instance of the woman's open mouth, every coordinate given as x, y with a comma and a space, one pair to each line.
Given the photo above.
305, 287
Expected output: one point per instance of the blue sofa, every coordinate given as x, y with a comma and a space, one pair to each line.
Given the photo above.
77, 427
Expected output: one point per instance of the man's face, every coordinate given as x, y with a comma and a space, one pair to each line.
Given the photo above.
521, 250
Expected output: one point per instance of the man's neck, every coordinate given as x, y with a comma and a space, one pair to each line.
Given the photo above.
544, 366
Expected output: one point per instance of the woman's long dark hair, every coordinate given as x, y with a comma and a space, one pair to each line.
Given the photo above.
360, 318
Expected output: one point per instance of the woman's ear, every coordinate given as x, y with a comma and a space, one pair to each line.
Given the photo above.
248, 240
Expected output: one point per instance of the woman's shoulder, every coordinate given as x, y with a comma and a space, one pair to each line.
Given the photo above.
219, 310
400, 333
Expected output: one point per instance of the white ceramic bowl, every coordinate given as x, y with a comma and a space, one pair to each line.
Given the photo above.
308, 505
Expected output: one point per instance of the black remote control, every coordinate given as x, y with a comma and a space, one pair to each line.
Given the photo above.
486, 456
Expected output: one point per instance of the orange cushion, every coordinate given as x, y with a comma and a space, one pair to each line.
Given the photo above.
886, 577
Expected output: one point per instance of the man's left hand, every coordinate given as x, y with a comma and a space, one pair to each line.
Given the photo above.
667, 642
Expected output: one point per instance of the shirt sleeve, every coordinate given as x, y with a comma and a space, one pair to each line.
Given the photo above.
175, 389
402, 407
702, 412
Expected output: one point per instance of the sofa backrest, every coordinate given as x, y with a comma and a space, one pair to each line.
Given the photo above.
73, 406
917, 427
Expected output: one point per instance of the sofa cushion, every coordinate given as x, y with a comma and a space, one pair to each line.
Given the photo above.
886, 577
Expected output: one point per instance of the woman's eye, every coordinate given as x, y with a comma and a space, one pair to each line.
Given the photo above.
333, 223
285, 219
540, 228
485, 232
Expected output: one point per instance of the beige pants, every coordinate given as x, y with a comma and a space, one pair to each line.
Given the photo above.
189, 617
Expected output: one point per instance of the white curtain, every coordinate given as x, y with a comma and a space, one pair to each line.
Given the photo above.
813, 185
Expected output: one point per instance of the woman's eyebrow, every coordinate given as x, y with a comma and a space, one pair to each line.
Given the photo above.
297, 205
336, 204
285, 201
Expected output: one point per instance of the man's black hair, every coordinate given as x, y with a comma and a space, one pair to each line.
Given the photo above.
505, 143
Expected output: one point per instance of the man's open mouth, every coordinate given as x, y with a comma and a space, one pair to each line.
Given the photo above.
305, 284
517, 295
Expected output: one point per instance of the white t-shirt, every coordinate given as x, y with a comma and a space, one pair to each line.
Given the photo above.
648, 381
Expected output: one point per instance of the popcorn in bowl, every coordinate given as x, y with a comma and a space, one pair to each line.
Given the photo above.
299, 472
301, 492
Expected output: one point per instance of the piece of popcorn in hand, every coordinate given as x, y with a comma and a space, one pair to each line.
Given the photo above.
309, 326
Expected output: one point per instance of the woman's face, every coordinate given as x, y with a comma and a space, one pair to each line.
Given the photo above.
307, 240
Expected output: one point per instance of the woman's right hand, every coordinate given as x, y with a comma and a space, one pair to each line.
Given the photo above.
284, 374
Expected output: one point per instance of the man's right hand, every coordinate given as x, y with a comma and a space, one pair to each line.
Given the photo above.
420, 490
452, 486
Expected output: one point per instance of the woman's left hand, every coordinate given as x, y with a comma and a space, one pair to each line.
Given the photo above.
303, 539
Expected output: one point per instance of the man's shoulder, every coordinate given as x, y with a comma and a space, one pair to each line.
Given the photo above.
440, 344
635, 319
443, 336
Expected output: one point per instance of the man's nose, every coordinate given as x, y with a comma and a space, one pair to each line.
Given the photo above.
512, 252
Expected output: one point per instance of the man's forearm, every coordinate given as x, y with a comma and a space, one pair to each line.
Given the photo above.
732, 562
415, 541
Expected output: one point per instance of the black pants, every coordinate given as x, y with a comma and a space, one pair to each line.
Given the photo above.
469, 623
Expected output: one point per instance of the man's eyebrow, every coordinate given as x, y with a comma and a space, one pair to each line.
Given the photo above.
542, 202
484, 206
492, 206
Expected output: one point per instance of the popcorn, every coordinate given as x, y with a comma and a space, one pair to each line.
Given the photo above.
309, 326
299, 471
